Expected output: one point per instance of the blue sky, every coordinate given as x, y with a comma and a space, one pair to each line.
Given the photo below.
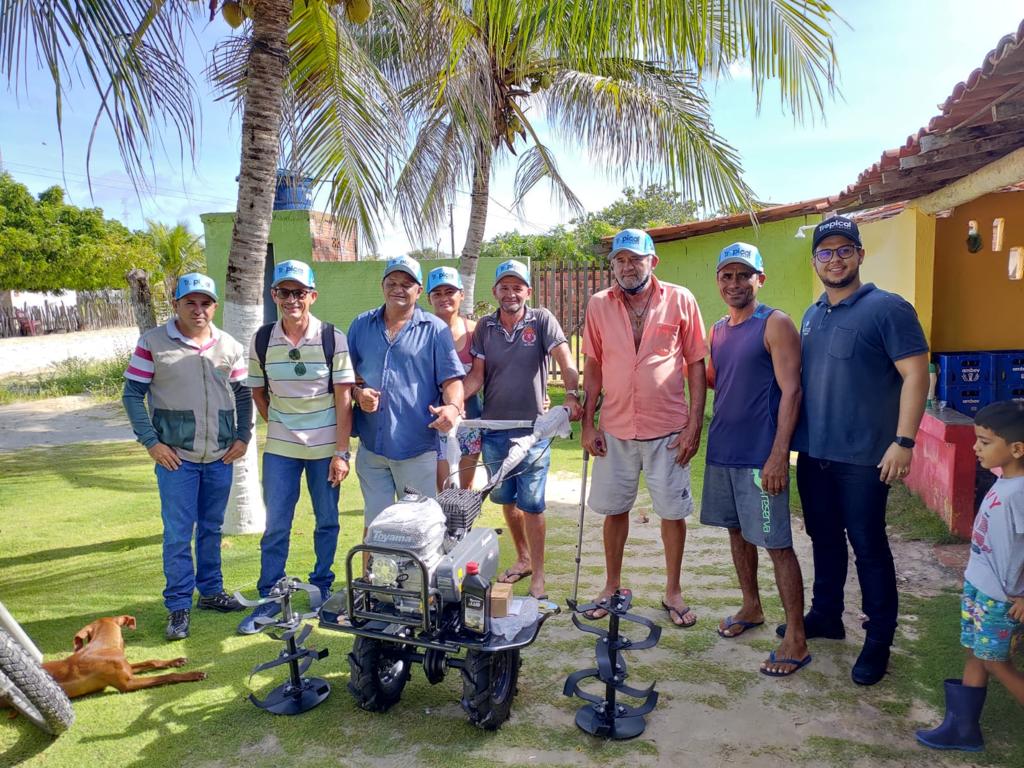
898, 61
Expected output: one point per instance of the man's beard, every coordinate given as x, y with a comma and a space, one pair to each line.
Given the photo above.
639, 287
844, 281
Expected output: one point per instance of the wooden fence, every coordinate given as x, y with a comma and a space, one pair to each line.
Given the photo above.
564, 288
101, 309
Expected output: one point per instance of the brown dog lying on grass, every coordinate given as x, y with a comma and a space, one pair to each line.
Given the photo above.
98, 662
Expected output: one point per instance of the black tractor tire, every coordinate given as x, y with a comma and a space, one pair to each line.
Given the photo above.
30, 689
489, 683
378, 672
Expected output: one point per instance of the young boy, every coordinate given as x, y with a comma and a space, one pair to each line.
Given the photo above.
992, 609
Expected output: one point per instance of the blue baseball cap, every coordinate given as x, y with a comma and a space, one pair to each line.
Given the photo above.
194, 282
513, 268
633, 240
741, 253
444, 276
406, 264
299, 271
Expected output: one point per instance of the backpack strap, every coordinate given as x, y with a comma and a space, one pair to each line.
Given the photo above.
327, 342
262, 342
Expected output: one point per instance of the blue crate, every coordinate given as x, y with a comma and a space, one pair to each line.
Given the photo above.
1014, 391
1008, 368
957, 368
969, 398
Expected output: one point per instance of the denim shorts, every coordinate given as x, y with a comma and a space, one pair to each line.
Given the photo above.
985, 626
525, 484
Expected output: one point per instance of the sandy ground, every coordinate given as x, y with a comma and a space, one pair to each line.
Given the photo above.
32, 354
61, 421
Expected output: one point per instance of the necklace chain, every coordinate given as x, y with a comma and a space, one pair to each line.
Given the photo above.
638, 317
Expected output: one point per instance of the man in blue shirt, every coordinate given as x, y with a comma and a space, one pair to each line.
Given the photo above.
411, 385
865, 380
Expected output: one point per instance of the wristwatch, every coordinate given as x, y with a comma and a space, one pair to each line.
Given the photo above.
346, 456
904, 442
574, 392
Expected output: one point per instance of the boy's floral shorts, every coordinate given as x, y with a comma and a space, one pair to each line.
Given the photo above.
985, 626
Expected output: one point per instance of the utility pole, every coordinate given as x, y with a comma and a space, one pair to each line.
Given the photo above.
451, 224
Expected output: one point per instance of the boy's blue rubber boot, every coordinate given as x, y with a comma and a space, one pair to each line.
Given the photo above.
961, 729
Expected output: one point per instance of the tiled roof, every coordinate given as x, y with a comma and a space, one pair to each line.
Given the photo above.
981, 121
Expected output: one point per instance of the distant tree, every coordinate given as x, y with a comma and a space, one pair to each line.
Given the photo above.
654, 206
429, 254
48, 245
179, 250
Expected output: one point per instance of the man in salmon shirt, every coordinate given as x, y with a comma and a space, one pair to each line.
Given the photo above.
645, 345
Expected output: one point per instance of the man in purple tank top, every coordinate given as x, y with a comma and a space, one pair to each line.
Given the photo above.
755, 372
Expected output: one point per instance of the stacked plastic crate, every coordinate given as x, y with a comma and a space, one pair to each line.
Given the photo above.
968, 381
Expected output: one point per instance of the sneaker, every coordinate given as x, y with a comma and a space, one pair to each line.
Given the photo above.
248, 625
222, 602
177, 624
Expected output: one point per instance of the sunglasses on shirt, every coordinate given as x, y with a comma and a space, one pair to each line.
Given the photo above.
300, 367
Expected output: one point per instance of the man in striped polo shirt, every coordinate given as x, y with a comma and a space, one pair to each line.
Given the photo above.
199, 421
307, 404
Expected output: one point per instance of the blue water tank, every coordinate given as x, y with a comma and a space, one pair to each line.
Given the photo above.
293, 193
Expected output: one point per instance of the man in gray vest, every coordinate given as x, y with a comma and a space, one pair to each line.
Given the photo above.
199, 421
755, 372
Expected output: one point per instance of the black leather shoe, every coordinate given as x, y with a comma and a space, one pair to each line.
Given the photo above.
872, 663
177, 624
815, 626
222, 602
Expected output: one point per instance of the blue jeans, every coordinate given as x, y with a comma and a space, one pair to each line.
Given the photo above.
281, 476
193, 497
843, 501
525, 484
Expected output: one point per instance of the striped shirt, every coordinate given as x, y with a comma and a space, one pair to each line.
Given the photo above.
302, 422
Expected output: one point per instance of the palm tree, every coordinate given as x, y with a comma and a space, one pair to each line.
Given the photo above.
132, 53
624, 81
178, 249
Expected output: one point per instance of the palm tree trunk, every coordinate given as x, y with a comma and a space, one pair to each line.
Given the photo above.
475, 232
243, 304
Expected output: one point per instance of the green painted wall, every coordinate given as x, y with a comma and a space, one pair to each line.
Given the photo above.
344, 288
791, 284
348, 288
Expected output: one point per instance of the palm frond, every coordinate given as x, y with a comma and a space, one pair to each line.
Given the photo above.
654, 122
130, 51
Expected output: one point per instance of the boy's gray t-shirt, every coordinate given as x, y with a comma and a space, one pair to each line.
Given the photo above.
516, 363
996, 565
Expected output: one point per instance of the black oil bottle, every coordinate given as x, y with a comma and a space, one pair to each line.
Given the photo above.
476, 601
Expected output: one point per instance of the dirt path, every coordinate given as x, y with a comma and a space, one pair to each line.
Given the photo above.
61, 421
33, 354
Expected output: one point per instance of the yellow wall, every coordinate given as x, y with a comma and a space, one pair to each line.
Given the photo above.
976, 306
899, 258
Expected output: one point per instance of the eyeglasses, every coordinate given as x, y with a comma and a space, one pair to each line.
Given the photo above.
844, 252
300, 367
284, 293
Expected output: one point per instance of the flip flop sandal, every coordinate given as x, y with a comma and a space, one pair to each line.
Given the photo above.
798, 665
674, 612
511, 577
600, 609
730, 622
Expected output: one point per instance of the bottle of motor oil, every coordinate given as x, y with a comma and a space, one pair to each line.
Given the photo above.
476, 601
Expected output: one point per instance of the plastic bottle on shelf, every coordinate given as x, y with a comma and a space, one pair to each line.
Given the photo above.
932, 379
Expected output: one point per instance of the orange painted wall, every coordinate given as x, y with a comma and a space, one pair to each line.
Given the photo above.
975, 305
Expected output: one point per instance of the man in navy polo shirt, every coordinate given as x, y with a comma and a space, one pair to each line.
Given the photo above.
411, 386
865, 380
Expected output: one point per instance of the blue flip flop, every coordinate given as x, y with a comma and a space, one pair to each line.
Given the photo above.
730, 622
799, 664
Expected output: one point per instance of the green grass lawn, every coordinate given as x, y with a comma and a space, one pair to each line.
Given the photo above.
80, 531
